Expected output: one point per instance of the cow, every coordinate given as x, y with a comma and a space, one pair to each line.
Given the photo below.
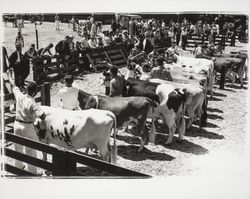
198, 66
76, 129
126, 109
195, 97
170, 104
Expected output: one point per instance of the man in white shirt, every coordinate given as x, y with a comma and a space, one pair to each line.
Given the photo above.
27, 110
69, 94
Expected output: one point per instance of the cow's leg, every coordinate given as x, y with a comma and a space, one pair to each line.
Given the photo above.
182, 129
144, 133
190, 114
152, 131
199, 112
169, 120
171, 134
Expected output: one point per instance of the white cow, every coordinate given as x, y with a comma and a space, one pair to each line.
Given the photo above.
77, 129
198, 65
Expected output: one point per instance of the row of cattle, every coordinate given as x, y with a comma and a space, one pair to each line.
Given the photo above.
184, 99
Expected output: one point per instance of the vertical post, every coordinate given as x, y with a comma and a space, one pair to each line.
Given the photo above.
36, 37
45, 94
222, 77
34, 70
63, 164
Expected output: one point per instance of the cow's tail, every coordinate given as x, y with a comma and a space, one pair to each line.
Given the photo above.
114, 147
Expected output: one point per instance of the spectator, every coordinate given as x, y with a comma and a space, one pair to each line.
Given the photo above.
92, 42
147, 45
16, 61
31, 52
133, 71
184, 38
63, 50
73, 21
19, 23
68, 95
26, 112
45, 50
178, 33
19, 40
84, 41
99, 42
116, 82
145, 76
57, 22
160, 72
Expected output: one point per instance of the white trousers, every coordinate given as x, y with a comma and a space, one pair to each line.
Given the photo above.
26, 130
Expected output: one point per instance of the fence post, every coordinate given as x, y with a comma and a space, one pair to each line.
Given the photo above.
63, 165
223, 41
45, 94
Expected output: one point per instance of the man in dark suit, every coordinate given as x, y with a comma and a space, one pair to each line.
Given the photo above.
18, 62
147, 45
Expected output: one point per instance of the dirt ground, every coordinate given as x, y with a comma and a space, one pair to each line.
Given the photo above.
217, 149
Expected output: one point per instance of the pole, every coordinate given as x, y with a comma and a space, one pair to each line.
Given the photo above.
36, 37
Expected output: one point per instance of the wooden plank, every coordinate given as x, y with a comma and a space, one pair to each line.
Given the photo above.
114, 57
30, 143
9, 119
9, 97
28, 159
14, 170
115, 51
118, 61
104, 166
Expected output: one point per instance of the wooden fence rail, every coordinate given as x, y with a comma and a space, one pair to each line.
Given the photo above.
63, 161
224, 40
49, 71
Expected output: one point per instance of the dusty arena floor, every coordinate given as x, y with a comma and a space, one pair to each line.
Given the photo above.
218, 149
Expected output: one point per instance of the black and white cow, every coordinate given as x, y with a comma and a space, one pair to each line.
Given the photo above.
77, 129
170, 103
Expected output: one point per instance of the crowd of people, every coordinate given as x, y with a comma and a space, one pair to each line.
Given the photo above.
144, 61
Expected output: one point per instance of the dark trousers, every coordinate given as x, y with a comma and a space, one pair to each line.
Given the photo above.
18, 72
178, 37
184, 42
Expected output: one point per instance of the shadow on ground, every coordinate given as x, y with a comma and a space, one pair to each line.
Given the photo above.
183, 146
214, 110
219, 94
214, 116
131, 152
196, 132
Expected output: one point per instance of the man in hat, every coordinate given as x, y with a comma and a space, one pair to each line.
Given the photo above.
116, 82
19, 40
160, 72
68, 95
15, 62
27, 110
62, 48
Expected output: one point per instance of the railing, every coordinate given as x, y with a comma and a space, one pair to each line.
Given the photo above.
64, 162
203, 39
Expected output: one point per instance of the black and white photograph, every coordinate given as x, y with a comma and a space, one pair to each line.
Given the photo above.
126, 95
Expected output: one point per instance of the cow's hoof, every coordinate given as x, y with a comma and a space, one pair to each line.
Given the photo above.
140, 149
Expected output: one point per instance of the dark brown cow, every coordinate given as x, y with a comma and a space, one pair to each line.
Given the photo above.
126, 109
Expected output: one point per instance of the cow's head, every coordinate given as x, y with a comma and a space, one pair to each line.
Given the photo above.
40, 127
